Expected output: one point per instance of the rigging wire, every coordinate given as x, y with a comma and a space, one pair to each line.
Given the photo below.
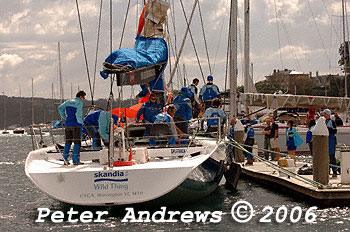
218, 44
228, 50
204, 37
84, 49
184, 39
278, 33
97, 48
318, 31
193, 44
125, 19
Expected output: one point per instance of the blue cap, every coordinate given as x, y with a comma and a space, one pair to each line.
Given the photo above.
210, 78
115, 118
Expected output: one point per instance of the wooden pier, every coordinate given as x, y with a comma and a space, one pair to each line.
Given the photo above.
330, 196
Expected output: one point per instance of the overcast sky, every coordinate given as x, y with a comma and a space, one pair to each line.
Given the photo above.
306, 38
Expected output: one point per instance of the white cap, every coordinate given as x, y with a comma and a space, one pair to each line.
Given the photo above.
320, 127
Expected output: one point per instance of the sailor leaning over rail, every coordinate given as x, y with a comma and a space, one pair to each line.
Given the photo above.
332, 129
96, 125
149, 110
71, 112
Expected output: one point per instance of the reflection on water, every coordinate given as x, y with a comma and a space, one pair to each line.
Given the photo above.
20, 200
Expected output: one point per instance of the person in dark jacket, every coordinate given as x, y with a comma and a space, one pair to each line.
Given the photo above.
311, 124
71, 112
332, 129
195, 101
96, 126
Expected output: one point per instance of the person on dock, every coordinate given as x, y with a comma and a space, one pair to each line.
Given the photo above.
249, 130
71, 112
149, 110
332, 129
338, 120
274, 140
195, 101
230, 151
183, 106
266, 133
290, 134
96, 126
311, 125
164, 126
213, 115
311, 114
209, 92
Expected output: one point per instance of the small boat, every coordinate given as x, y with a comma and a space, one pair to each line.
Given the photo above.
19, 130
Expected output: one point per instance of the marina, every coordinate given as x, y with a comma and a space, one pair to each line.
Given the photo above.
287, 181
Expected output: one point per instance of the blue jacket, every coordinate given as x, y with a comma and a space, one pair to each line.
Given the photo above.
209, 92
250, 131
149, 111
183, 105
291, 132
72, 112
100, 120
309, 135
214, 112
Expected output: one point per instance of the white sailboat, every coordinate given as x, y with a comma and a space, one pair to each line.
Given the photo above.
131, 174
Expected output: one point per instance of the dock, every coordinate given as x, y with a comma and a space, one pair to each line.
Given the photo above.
334, 194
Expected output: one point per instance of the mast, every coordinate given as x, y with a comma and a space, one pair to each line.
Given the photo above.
60, 73
246, 46
233, 58
32, 101
3, 93
20, 105
346, 51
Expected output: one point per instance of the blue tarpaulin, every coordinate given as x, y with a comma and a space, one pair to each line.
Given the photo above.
147, 51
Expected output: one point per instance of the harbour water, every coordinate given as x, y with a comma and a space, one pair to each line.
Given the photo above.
20, 201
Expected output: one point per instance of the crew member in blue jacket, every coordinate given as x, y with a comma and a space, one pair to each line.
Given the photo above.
149, 110
213, 114
72, 112
97, 125
209, 92
183, 106
332, 129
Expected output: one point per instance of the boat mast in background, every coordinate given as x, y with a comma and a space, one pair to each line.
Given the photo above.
246, 46
60, 73
346, 52
233, 59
